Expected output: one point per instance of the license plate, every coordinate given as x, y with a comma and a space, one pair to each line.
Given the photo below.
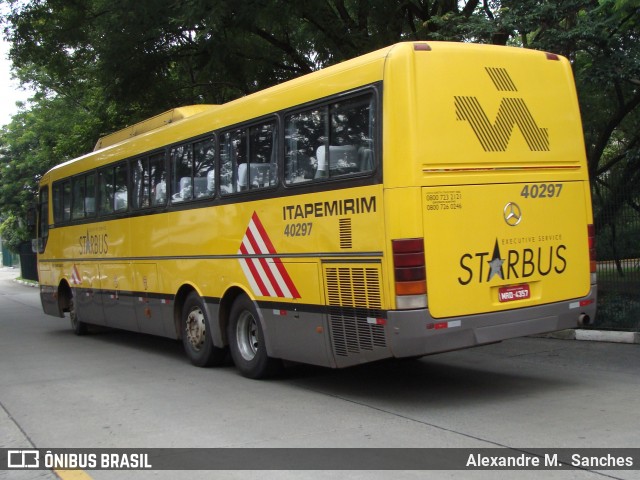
514, 292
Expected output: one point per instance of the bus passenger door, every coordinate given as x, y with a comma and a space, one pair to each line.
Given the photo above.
117, 296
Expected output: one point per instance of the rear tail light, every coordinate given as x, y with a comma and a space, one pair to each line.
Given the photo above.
410, 273
591, 231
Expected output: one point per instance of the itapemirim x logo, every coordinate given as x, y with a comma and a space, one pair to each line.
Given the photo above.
494, 137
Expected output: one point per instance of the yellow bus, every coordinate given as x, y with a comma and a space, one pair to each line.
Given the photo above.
422, 198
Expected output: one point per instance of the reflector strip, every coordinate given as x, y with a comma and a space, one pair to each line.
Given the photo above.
376, 321
265, 272
75, 276
443, 325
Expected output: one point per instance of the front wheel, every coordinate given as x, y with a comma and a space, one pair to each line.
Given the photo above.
78, 327
246, 341
196, 334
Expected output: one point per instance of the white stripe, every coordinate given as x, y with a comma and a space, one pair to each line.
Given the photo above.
258, 238
263, 276
252, 282
276, 274
270, 262
259, 268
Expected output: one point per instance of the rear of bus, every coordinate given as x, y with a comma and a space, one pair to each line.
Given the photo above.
487, 198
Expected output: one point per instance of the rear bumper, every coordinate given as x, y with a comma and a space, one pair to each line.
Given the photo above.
413, 333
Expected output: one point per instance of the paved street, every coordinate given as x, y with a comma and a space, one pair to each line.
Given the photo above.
117, 389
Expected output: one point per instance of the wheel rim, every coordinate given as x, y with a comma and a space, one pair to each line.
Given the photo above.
247, 335
196, 329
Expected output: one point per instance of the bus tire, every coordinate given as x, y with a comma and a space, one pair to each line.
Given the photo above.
246, 341
78, 326
196, 334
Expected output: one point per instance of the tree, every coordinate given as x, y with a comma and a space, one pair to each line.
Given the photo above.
112, 62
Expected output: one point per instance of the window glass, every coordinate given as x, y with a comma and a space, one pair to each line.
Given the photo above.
83, 196
261, 169
157, 179
329, 141
43, 218
181, 169
90, 195
204, 181
66, 200
112, 187
57, 202
233, 154
105, 191
140, 183
120, 197
351, 136
305, 133
77, 210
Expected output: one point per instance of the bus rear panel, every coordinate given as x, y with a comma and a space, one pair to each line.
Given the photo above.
501, 202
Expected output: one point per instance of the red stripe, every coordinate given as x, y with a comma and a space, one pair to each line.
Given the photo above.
278, 263
254, 272
267, 241
263, 261
263, 234
287, 279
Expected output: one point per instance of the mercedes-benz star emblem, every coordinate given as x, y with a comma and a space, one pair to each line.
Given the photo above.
512, 214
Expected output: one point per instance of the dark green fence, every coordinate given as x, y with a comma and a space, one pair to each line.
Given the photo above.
617, 215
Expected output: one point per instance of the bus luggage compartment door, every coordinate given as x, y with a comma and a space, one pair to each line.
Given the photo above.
496, 247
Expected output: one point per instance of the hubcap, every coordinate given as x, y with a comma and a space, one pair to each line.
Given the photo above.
247, 335
196, 328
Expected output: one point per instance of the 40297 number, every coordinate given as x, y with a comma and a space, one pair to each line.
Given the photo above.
542, 190
298, 229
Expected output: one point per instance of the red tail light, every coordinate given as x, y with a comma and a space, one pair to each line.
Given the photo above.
592, 247
410, 272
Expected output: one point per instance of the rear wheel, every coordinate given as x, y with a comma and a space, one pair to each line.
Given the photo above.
246, 341
196, 334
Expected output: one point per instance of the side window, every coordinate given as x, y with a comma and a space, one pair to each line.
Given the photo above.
113, 189
330, 141
121, 195
66, 200
181, 173
84, 196
140, 183
58, 210
351, 136
261, 169
248, 158
148, 181
204, 173
157, 179
43, 218
304, 133
105, 191
233, 154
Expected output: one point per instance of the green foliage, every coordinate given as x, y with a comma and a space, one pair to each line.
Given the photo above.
13, 233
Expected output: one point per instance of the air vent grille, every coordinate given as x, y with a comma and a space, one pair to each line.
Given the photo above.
355, 302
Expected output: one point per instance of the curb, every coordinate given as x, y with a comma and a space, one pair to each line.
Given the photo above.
26, 283
596, 336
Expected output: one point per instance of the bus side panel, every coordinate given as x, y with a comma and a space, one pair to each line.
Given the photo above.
87, 295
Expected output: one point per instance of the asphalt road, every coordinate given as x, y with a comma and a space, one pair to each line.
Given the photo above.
117, 389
